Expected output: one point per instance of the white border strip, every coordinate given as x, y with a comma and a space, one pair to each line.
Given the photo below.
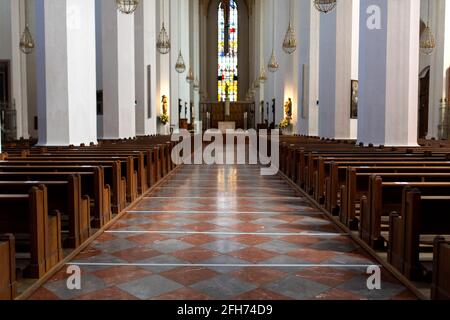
219, 197
206, 265
300, 214
231, 233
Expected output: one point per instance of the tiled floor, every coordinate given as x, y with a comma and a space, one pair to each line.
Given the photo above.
223, 232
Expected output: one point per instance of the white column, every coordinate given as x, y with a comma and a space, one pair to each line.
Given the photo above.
118, 74
163, 62
65, 74
145, 41
338, 66
18, 69
308, 76
438, 62
195, 51
179, 34
389, 68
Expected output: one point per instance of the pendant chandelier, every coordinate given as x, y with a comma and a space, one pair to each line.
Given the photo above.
290, 43
180, 66
163, 42
127, 6
26, 43
190, 77
427, 40
262, 75
273, 64
196, 85
325, 6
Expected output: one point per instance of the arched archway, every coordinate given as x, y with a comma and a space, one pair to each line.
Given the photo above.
209, 65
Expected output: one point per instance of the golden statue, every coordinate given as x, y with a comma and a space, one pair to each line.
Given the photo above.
164, 104
164, 117
288, 109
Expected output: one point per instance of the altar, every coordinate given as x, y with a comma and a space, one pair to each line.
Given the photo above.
227, 125
241, 115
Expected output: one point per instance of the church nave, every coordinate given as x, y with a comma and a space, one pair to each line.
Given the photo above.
222, 232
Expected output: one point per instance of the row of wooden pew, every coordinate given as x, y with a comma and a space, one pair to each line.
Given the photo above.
53, 199
396, 199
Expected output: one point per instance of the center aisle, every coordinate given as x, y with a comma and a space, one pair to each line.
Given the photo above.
223, 232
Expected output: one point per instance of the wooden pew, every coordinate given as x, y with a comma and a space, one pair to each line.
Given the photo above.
358, 184
386, 197
65, 197
27, 214
319, 176
440, 287
338, 175
111, 171
91, 185
8, 284
422, 217
128, 180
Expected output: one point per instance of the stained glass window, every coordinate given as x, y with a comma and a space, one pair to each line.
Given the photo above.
228, 54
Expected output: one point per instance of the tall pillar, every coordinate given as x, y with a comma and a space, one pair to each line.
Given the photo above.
194, 26
18, 69
179, 35
118, 72
437, 63
308, 75
65, 75
145, 40
389, 69
339, 40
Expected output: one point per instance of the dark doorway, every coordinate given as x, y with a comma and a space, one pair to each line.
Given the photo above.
424, 98
7, 112
4, 82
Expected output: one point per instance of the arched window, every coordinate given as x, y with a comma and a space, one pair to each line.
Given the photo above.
228, 50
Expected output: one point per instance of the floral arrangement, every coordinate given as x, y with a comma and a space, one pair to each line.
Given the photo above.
164, 118
284, 123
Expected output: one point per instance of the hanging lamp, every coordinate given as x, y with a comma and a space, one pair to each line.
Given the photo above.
180, 66
196, 84
263, 75
273, 64
163, 42
26, 43
190, 77
290, 42
325, 6
427, 40
127, 6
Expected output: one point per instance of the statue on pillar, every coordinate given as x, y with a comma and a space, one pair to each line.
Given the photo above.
288, 109
164, 118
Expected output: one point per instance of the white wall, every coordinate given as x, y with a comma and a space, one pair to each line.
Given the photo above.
81, 69
66, 72
308, 30
389, 67
339, 43
282, 84
5, 29
145, 54
179, 34
118, 73
163, 62
12, 23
